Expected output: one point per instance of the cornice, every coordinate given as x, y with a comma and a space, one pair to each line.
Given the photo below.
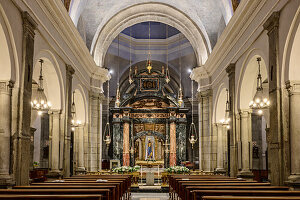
56, 13
236, 27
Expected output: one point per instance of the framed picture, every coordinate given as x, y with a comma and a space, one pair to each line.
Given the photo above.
114, 163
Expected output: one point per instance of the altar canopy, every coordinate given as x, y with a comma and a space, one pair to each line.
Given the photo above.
149, 124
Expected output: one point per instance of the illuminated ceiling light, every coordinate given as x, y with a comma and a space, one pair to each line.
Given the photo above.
259, 101
40, 102
227, 119
193, 135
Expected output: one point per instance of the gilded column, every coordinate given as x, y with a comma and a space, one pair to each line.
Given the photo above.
68, 117
294, 99
5, 131
172, 139
246, 144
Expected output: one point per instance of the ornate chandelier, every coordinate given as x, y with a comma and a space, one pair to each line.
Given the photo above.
193, 132
226, 120
118, 96
40, 102
259, 102
74, 123
180, 95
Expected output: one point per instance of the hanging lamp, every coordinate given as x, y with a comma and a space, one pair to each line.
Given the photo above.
40, 103
167, 55
226, 120
130, 61
259, 102
149, 64
118, 96
107, 136
180, 95
74, 123
193, 132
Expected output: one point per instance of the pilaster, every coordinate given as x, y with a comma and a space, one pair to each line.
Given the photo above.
232, 161
22, 137
68, 117
275, 147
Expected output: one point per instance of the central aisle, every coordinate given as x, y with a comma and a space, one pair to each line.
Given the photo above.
150, 196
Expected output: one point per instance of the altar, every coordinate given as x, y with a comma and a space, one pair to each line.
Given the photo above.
149, 125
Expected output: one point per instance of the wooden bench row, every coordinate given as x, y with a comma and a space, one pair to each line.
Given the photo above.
109, 188
187, 187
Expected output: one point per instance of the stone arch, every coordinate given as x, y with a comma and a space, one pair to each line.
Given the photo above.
220, 103
80, 104
8, 57
246, 87
291, 60
194, 31
53, 81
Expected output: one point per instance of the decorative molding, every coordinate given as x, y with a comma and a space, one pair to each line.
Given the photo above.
199, 73
272, 22
29, 24
70, 70
293, 87
6, 86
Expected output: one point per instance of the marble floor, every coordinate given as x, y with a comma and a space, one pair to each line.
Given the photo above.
150, 196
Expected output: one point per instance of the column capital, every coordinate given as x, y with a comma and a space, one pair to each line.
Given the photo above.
54, 111
230, 69
272, 22
293, 87
70, 70
6, 86
205, 93
245, 113
29, 24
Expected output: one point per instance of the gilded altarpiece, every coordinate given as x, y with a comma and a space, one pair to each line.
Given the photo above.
149, 125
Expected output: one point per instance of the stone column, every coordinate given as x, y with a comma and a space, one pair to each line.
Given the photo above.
232, 161
220, 148
22, 137
172, 140
275, 149
126, 156
5, 131
246, 143
100, 135
294, 99
93, 132
68, 117
181, 138
80, 165
55, 134
205, 129
117, 135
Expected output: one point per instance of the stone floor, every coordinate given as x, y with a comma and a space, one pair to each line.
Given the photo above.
150, 196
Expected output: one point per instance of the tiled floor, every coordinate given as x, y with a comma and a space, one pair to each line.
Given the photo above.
150, 196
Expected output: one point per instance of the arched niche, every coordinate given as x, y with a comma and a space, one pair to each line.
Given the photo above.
291, 59
8, 53
194, 31
80, 104
248, 79
53, 81
220, 105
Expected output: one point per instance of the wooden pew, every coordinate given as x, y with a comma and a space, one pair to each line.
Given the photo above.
106, 193
198, 194
112, 194
190, 189
50, 197
120, 189
248, 198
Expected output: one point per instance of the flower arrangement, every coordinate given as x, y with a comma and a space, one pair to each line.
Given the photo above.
177, 170
126, 169
35, 164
